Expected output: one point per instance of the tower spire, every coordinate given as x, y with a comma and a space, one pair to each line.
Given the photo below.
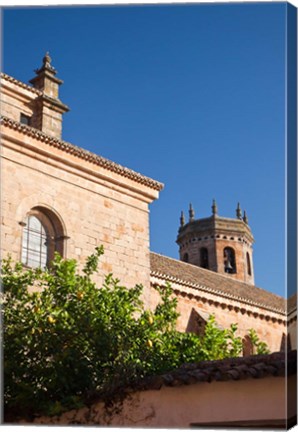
182, 219
45, 79
191, 213
245, 219
214, 207
238, 212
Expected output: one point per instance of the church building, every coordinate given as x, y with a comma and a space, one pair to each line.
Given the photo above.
60, 197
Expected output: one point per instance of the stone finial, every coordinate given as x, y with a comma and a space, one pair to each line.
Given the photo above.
191, 213
46, 65
238, 212
48, 109
47, 59
214, 207
245, 219
182, 219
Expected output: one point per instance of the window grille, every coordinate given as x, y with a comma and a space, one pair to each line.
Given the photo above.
35, 243
43, 235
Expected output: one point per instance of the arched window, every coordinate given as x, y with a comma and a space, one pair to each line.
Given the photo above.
247, 346
248, 263
204, 260
285, 343
185, 257
229, 260
42, 237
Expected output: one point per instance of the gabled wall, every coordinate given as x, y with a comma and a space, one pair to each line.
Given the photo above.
96, 205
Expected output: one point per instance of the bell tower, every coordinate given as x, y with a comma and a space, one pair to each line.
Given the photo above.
219, 244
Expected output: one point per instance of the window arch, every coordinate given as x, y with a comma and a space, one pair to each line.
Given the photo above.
229, 260
204, 259
285, 344
248, 264
43, 235
185, 257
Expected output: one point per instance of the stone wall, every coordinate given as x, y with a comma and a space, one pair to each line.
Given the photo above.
16, 98
269, 325
95, 206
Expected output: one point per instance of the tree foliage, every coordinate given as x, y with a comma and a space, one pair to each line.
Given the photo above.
65, 340
259, 347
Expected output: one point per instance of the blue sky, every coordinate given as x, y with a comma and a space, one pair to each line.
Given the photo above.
190, 95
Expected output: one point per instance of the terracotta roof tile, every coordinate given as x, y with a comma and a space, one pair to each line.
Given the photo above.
256, 366
82, 153
205, 280
20, 83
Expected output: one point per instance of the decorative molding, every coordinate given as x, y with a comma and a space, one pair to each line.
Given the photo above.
168, 278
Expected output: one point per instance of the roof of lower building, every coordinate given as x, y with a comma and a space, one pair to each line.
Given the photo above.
186, 274
230, 369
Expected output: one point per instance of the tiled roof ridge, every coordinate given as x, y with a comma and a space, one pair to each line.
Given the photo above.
82, 153
20, 83
212, 290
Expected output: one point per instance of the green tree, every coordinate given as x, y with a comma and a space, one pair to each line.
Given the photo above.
65, 340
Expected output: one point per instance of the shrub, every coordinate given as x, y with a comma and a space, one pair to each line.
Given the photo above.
66, 340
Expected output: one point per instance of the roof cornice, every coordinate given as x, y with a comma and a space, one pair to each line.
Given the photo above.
20, 84
81, 153
168, 278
